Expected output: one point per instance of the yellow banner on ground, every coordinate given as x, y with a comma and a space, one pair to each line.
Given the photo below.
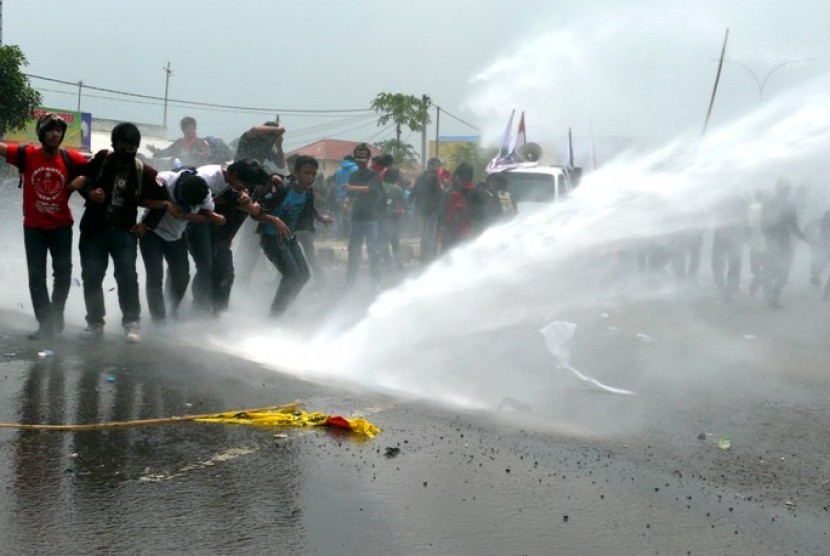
299, 418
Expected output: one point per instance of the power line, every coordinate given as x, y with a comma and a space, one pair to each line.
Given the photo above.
456, 118
205, 104
310, 130
329, 127
221, 107
372, 138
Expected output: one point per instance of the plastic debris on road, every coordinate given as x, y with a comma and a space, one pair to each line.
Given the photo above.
558, 337
725, 442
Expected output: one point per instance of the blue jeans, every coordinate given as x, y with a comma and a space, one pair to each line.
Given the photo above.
96, 250
288, 257
390, 238
58, 243
361, 229
155, 251
198, 243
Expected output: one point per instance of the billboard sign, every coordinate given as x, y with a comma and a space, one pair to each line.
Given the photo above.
78, 131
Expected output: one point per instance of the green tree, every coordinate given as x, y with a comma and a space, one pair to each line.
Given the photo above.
402, 110
455, 153
17, 97
403, 153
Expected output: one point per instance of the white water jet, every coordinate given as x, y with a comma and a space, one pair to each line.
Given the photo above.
464, 332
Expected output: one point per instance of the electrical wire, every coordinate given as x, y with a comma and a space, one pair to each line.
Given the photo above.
197, 103
456, 118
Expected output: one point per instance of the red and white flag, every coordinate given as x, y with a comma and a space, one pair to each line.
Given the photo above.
521, 135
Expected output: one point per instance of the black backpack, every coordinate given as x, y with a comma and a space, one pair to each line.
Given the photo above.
21, 161
476, 208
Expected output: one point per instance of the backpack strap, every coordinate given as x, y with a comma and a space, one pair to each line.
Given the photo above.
67, 160
21, 162
139, 174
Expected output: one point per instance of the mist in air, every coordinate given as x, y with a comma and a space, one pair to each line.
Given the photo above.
464, 332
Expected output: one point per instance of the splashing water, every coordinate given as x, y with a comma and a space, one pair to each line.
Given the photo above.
465, 331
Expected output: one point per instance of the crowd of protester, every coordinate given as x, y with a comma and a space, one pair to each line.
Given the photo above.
762, 229
195, 209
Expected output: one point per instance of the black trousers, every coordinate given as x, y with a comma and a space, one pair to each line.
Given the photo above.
57, 243
288, 257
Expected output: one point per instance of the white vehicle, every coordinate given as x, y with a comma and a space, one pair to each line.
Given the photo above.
534, 186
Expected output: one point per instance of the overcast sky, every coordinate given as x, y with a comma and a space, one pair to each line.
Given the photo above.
635, 68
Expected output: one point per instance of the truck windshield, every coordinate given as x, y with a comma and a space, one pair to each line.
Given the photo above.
531, 188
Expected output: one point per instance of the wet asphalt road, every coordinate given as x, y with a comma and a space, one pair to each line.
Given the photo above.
588, 474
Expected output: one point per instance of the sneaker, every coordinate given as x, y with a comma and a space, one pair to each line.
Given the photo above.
43, 333
92, 332
132, 335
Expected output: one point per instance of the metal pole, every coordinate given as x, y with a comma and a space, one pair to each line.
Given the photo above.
437, 126
570, 149
427, 101
1, 22
168, 72
80, 87
424, 148
717, 79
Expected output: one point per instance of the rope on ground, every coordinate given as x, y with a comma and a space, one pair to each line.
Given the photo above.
274, 416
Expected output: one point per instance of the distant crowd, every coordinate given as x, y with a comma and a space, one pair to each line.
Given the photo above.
766, 227
194, 211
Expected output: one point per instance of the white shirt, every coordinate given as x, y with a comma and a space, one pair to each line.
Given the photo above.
212, 174
171, 228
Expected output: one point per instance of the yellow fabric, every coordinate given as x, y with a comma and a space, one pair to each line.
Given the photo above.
361, 425
299, 418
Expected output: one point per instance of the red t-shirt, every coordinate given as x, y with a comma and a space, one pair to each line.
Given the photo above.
457, 210
45, 191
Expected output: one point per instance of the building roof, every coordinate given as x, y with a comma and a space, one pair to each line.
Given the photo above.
331, 149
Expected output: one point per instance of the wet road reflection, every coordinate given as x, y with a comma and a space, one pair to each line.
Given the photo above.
157, 488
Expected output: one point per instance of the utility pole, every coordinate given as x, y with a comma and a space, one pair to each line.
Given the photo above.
437, 125
80, 88
168, 73
427, 102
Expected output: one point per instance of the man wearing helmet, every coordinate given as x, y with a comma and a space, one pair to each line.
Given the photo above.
47, 218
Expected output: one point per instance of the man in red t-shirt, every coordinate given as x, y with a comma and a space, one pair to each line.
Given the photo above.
47, 219
455, 225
